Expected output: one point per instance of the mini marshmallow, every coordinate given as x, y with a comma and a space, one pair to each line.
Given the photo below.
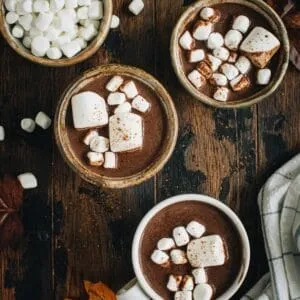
215, 40
88, 33
174, 283
140, 104
56, 5
178, 257
232, 57
214, 62
39, 46
88, 22
52, 33
240, 83
81, 42
62, 40
10, 5
232, 39
202, 30
263, 76
66, 19
129, 89
243, 64
95, 158
28, 125
195, 229
71, 49
110, 160
221, 53
165, 244
83, 13
204, 68
28, 6
203, 291
25, 21
187, 283
199, 275
196, 55
114, 83
159, 257
2, 133
115, 22
17, 31
229, 70
123, 108
116, 98
180, 236
90, 136
241, 23
41, 6
221, 93
19, 9
71, 3
11, 17
27, 42
43, 21
43, 120
183, 295
218, 79
96, 10
136, 6
210, 14
84, 2
196, 79
33, 32
99, 144
28, 181
186, 41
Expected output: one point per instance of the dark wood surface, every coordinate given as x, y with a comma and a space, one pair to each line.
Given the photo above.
75, 231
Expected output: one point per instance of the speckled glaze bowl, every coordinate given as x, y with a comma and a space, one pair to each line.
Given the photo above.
63, 142
91, 49
272, 18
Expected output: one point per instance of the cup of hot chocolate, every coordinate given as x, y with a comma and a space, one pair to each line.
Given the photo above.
188, 247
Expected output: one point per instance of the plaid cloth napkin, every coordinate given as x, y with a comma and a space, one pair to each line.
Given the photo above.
279, 205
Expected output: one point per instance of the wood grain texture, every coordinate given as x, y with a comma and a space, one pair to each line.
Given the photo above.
75, 231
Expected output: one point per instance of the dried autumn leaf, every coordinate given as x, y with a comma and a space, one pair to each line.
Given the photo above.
98, 291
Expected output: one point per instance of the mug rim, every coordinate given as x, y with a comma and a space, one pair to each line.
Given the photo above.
204, 199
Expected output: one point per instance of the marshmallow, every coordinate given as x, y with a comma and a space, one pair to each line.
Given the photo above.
27, 6
84, 2
99, 144
199, 275
229, 70
210, 14
187, 283
2, 133
183, 295
208, 251
110, 160
88, 33
129, 89
56, 5
221, 94
159, 257
54, 53
81, 42
241, 23
95, 158
204, 68
116, 98
218, 79
180, 236
214, 62
125, 132
96, 10
10, 5
174, 283
195, 229
73, 32
114, 83
86, 23
83, 13
232, 57
196, 79
43, 120
202, 30
71, 3
11, 17
90, 136
203, 291
240, 83
19, 9
141, 104
115, 22
232, 39
165, 244
89, 110
52, 33
40, 46
71, 49
28, 180
28, 125
62, 40
215, 40
221, 53
33, 32
25, 21
196, 55
66, 19
178, 257
263, 76
186, 41
136, 6
123, 108
43, 21
18, 31
41, 6
243, 64
27, 42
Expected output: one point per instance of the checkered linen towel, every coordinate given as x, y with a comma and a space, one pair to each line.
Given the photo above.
279, 205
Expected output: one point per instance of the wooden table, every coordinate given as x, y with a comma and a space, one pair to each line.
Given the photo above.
75, 231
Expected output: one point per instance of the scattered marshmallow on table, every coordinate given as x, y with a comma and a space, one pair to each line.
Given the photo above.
203, 291
114, 83
196, 55
221, 53
240, 83
178, 257
159, 257
95, 158
115, 22
241, 23
180, 236
174, 282
243, 64
233, 39
229, 70
2, 133
140, 104
187, 283
218, 79
116, 98
221, 93
99, 144
110, 160
195, 229
196, 79
28, 125
183, 295
136, 6
123, 108
263, 76
165, 244
186, 41
28, 180
43, 120
215, 40
130, 90
202, 30
200, 275
89, 137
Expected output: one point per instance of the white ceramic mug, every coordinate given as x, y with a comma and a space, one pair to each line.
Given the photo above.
140, 289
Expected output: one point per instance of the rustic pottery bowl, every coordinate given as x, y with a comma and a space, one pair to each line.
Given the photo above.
165, 152
275, 22
91, 49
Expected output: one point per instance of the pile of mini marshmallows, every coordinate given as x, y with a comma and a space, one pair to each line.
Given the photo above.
199, 251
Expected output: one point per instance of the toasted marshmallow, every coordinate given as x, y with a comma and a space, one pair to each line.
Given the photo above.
187, 283
180, 236
243, 64
203, 291
141, 104
110, 160
240, 83
204, 68
95, 158
90, 136
263, 76
200, 275
202, 30
39, 46
28, 125
196, 79
54, 53
43, 120
96, 10
196, 55
125, 132
17, 31
174, 283
2, 134
218, 79
232, 57
229, 70
165, 244
159, 257
123, 108
183, 295
99, 144
232, 39
221, 93
115, 22
28, 181
186, 41
136, 6
221, 53
114, 83
116, 98
11, 17
241, 23
208, 251
214, 62
178, 257
215, 40
210, 14
259, 46
195, 229
129, 89
89, 110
